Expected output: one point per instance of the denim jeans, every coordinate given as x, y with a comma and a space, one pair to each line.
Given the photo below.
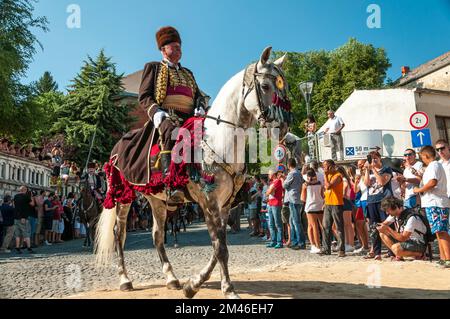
297, 233
33, 223
275, 224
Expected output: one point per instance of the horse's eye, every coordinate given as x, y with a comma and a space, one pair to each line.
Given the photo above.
265, 87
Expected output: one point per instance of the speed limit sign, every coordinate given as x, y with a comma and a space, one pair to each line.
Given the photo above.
280, 153
419, 120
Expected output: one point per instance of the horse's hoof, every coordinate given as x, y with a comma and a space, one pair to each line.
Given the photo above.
128, 286
174, 285
233, 295
188, 291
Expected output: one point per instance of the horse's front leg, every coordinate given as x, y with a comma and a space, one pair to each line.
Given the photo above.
120, 236
192, 286
218, 232
159, 223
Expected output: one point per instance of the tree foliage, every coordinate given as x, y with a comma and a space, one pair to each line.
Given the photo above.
17, 47
45, 84
336, 74
90, 107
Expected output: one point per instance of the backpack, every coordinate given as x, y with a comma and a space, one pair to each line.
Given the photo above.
408, 213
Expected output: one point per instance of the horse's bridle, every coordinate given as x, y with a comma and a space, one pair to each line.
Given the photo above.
251, 81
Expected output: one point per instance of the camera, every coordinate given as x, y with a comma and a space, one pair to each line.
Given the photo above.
369, 159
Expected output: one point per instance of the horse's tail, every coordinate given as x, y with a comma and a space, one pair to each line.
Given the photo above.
104, 244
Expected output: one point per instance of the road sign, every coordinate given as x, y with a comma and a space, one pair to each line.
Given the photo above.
421, 138
349, 151
419, 120
280, 153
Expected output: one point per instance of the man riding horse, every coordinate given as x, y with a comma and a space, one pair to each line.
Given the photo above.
94, 184
170, 95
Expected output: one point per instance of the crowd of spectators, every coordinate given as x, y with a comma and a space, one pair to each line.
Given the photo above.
359, 208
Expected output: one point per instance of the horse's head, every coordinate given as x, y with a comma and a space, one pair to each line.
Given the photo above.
266, 91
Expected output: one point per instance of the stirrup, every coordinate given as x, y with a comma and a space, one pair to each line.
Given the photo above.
176, 197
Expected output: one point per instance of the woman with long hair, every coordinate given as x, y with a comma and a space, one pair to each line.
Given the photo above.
349, 198
312, 195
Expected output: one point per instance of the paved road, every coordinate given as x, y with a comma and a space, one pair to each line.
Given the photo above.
66, 269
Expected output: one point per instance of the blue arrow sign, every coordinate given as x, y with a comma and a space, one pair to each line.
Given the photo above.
421, 137
349, 151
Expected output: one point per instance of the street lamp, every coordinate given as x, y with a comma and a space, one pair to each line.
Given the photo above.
306, 88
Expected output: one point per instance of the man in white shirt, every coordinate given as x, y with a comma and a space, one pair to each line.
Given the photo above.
334, 126
412, 175
435, 201
409, 238
443, 150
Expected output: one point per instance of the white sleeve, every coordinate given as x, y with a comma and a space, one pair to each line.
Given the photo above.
433, 172
412, 224
340, 121
389, 220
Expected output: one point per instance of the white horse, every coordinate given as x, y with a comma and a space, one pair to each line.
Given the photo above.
243, 101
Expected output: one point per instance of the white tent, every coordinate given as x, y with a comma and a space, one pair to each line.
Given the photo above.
375, 118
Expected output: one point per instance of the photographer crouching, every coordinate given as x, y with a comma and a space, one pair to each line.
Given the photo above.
409, 237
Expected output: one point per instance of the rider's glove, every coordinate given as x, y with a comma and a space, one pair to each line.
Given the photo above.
159, 116
199, 111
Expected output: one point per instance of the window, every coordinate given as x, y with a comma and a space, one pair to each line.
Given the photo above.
443, 126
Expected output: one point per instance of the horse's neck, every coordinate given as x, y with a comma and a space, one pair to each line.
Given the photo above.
227, 105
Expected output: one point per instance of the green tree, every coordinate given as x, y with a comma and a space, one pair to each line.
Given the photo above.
90, 107
17, 47
336, 74
45, 84
48, 106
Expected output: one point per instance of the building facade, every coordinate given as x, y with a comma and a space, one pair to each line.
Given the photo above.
16, 171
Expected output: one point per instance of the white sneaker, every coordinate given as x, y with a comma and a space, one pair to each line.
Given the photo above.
349, 249
315, 250
360, 251
47, 243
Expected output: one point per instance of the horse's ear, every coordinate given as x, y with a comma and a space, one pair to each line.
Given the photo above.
280, 61
265, 56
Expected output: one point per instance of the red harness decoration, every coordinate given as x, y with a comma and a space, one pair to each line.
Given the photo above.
121, 191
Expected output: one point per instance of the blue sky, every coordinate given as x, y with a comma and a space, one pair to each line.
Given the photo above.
220, 37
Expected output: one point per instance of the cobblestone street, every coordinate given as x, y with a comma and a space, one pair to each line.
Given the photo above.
66, 269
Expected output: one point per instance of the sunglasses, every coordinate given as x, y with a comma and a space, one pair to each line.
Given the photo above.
408, 154
438, 149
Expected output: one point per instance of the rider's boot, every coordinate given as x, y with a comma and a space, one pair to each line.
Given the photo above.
175, 196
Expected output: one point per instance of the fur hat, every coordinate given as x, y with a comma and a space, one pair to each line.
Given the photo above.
167, 35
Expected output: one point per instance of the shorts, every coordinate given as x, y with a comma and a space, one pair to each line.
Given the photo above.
318, 212
438, 219
253, 213
285, 213
411, 245
33, 223
410, 202
348, 205
55, 226
360, 214
48, 223
22, 230
61, 226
